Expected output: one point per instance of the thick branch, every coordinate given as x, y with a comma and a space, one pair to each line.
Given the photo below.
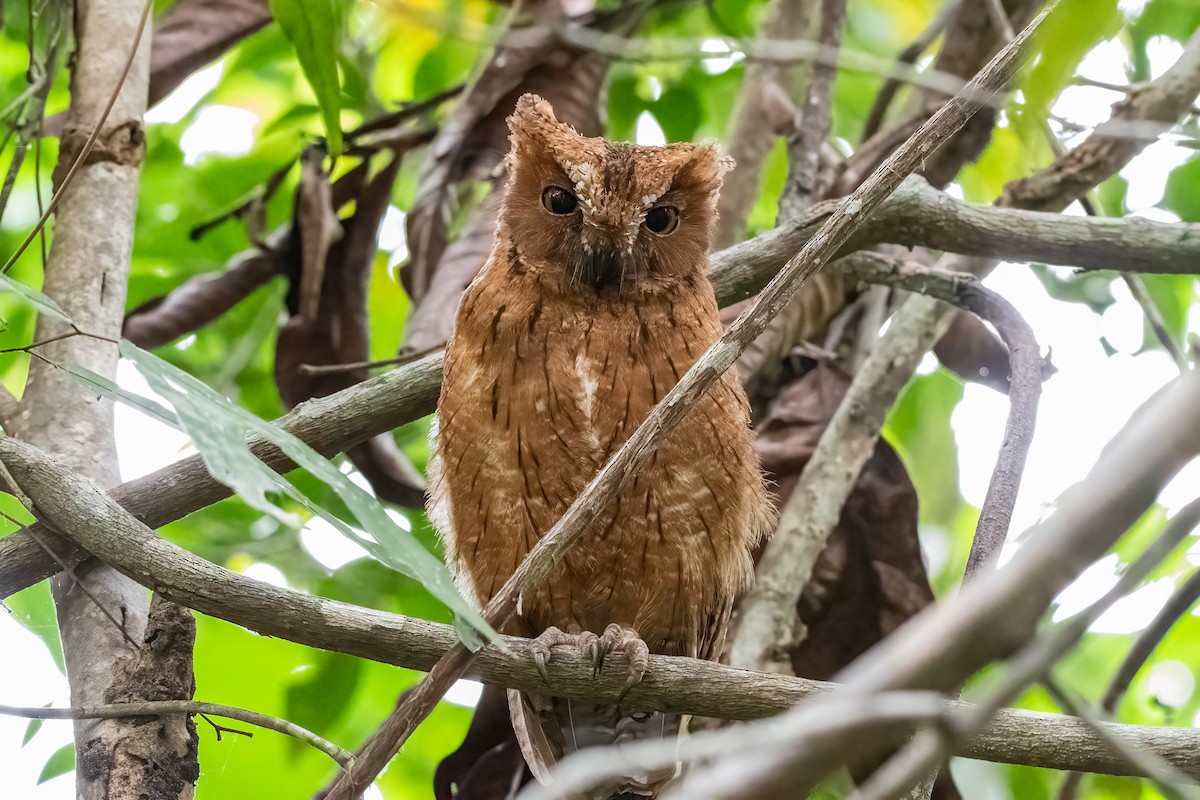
919, 215
682, 685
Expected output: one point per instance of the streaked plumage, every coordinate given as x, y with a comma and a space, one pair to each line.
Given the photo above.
578, 324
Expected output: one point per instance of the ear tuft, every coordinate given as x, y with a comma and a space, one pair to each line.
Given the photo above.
725, 164
531, 114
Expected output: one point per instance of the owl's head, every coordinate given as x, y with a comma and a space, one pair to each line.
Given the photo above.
611, 215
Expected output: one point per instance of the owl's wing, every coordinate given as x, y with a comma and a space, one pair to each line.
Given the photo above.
530, 727
437, 509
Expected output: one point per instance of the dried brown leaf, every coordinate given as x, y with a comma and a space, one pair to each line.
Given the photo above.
973, 352
449, 159
316, 221
192, 33
197, 302
871, 577
339, 332
431, 321
568, 80
486, 764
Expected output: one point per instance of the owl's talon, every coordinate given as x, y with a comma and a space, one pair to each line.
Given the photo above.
540, 657
587, 642
625, 640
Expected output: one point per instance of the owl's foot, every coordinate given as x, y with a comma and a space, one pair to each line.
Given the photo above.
596, 649
587, 643
616, 639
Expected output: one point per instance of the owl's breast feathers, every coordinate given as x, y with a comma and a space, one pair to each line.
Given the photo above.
544, 380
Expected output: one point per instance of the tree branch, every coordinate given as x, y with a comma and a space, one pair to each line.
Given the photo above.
1030, 663
149, 708
749, 139
1150, 637
681, 685
804, 146
767, 622
907, 57
1155, 107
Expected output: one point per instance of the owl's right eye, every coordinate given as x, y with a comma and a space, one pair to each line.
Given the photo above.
559, 201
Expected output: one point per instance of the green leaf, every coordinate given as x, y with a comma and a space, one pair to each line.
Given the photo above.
322, 693
60, 763
31, 730
312, 27
34, 609
106, 388
218, 428
1182, 193
41, 302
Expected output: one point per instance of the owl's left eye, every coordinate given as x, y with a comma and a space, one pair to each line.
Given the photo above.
662, 220
559, 201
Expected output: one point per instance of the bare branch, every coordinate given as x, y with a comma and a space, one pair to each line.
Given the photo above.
907, 58
1160, 103
999, 609
804, 147
1183, 599
1169, 781
915, 212
749, 139
767, 621
1029, 664
190, 707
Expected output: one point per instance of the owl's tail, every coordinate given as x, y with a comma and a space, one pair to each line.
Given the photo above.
549, 728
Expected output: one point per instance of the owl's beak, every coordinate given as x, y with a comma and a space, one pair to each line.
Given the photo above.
602, 268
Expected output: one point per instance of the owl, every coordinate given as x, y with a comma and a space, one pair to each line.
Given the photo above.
594, 302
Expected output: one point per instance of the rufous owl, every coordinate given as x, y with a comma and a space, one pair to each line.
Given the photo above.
594, 302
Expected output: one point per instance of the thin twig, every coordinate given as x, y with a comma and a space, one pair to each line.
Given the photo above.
905, 59
338, 369
75, 331
804, 147
1029, 664
1137, 286
149, 708
1000, 20
1169, 781
1141, 294
1183, 599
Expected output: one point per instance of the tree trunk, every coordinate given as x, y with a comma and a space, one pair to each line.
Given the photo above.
87, 273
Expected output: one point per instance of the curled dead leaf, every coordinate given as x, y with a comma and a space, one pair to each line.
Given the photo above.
488, 764
197, 302
971, 350
871, 577
336, 329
